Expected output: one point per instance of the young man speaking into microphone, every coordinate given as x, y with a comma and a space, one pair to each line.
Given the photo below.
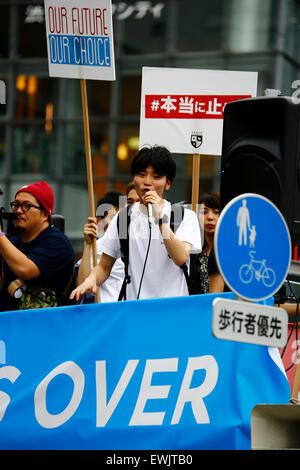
156, 253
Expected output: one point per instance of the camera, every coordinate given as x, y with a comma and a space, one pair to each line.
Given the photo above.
8, 217
57, 220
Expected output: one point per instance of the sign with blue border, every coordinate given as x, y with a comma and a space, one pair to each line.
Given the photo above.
252, 247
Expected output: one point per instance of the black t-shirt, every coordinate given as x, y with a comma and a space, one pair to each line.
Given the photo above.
53, 253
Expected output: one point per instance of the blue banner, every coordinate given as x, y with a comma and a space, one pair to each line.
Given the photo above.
135, 375
79, 50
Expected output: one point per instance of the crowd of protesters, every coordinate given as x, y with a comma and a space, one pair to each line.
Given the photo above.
146, 246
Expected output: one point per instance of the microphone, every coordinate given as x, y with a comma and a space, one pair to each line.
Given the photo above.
150, 214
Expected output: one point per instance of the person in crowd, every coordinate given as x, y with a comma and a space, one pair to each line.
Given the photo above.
37, 262
216, 280
131, 194
95, 228
155, 255
209, 211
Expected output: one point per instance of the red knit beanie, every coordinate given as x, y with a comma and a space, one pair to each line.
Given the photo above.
44, 194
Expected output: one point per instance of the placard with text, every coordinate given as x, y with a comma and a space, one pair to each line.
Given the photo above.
183, 109
80, 39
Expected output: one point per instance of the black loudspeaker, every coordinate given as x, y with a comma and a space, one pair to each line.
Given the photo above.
261, 154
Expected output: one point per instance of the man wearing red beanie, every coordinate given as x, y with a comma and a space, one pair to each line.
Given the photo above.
39, 256
43, 193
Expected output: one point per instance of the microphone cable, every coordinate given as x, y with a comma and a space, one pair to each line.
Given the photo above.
145, 262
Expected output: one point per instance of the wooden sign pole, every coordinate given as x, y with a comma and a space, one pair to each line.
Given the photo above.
195, 181
89, 169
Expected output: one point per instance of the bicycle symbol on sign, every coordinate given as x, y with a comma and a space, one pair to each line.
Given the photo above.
247, 271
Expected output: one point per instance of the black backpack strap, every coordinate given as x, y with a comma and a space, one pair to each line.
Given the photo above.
186, 275
195, 286
177, 214
123, 222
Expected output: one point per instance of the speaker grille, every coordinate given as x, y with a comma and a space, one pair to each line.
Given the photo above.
249, 173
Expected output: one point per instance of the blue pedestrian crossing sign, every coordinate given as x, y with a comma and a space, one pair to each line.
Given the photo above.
252, 247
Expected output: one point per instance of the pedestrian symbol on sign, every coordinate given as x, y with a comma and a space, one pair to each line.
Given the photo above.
249, 231
243, 222
255, 269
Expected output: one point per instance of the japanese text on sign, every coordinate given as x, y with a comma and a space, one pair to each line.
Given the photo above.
188, 106
249, 323
138, 10
121, 10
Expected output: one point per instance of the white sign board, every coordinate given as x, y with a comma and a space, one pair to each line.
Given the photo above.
80, 39
182, 109
249, 322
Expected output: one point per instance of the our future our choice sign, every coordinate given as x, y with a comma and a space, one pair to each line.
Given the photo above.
80, 39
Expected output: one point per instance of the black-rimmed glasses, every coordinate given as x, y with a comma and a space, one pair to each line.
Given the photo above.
25, 206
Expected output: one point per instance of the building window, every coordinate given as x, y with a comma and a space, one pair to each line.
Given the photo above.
41, 126
199, 25
140, 26
34, 150
32, 26
4, 31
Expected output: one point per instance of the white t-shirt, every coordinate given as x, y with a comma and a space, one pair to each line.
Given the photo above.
110, 289
162, 278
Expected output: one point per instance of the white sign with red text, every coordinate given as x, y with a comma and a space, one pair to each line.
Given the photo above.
80, 39
183, 109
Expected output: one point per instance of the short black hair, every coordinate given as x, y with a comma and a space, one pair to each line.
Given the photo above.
130, 186
160, 158
111, 198
211, 199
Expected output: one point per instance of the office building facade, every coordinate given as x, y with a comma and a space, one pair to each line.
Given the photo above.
41, 129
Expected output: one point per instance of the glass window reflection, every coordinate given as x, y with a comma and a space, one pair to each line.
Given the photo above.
251, 25
35, 97
34, 150
128, 146
32, 34
2, 149
131, 95
74, 155
292, 34
98, 96
74, 150
140, 25
4, 33
4, 83
202, 28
